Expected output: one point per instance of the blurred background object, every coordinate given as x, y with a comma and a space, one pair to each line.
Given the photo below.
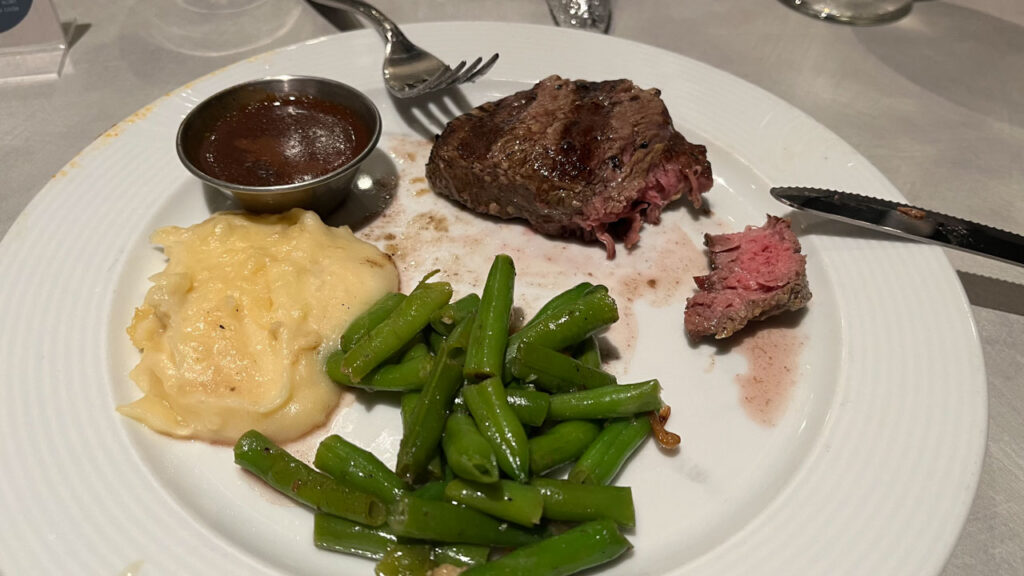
217, 27
593, 15
32, 40
856, 12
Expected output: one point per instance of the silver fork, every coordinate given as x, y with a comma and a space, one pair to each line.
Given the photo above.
409, 70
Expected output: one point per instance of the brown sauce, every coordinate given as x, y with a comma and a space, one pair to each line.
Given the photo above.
282, 140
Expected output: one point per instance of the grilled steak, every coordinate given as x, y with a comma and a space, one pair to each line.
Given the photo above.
755, 274
571, 157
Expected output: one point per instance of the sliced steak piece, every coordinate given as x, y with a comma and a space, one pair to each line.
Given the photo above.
755, 274
572, 158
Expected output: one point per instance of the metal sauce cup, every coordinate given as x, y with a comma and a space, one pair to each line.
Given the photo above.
323, 193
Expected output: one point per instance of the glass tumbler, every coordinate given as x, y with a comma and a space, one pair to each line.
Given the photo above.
856, 12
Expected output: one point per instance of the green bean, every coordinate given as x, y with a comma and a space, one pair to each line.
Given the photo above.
504, 499
404, 370
530, 406
485, 356
357, 468
459, 403
391, 335
417, 350
418, 341
367, 321
433, 490
566, 325
425, 425
554, 371
588, 352
404, 376
340, 535
605, 456
467, 451
607, 402
406, 560
333, 368
500, 426
579, 548
560, 300
435, 340
444, 320
563, 443
463, 555
570, 502
293, 478
435, 469
439, 521
408, 402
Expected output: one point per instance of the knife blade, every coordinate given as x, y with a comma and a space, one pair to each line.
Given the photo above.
906, 221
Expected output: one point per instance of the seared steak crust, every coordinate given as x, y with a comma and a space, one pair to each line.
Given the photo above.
755, 274
572, 158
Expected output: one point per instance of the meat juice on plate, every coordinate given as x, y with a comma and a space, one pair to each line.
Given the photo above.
772, 355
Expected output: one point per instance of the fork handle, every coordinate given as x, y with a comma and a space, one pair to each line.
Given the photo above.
387, 27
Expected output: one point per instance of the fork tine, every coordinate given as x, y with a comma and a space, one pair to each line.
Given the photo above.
482, 70
425, 86
468, 71
452, 77
438, 81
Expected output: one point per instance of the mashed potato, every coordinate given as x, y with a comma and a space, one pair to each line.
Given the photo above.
234, 329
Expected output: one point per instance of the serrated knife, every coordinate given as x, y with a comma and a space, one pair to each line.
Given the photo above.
906, 221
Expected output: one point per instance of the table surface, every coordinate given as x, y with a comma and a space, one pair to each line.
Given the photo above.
935, 101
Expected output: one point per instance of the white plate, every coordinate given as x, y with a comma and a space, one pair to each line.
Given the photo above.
870, 469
